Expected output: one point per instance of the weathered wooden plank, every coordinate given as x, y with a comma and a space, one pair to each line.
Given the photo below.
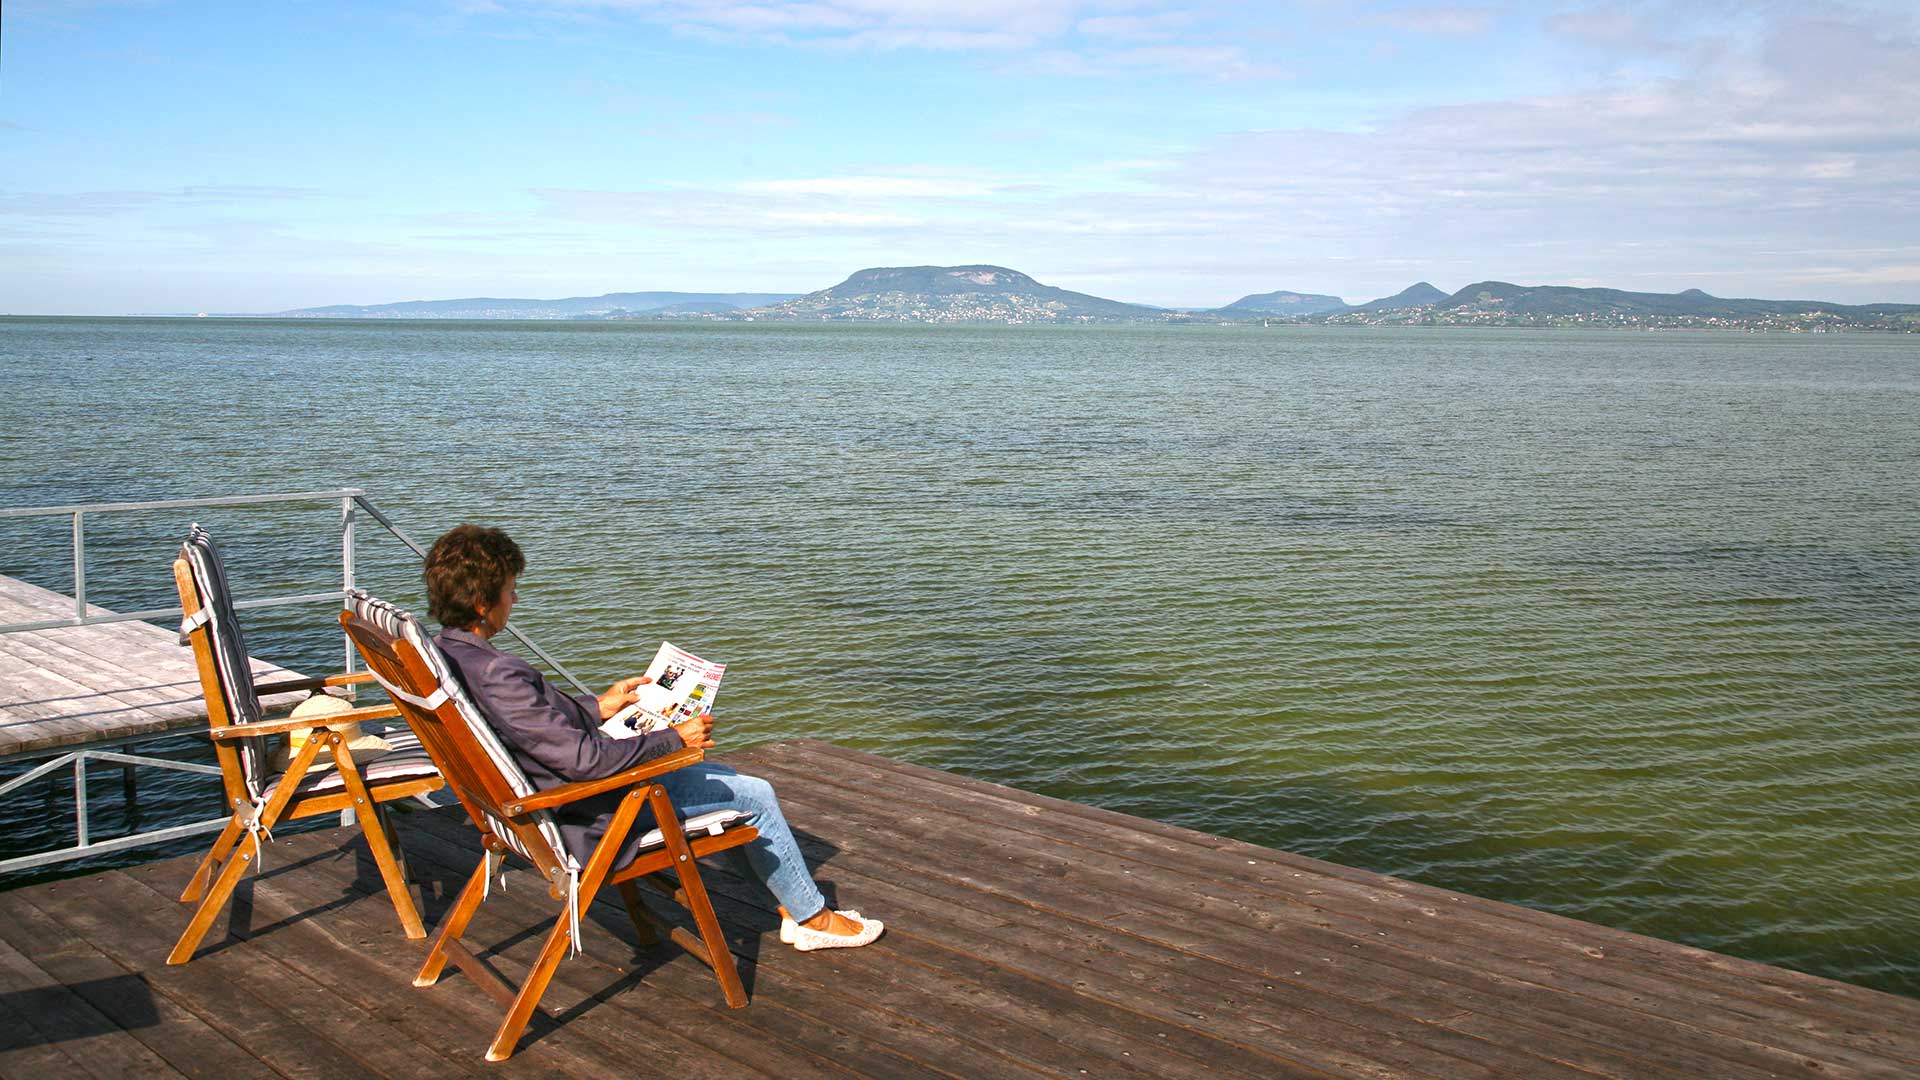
873, 1037
292, 1025
1120, 1028
1027, 938
108, 698
1797, 991
41, 1009
1016, 1015
24, 1053
310, 916
124, 997
1175, 989
1671, 1029
1799, 997
692, 1009
1322, 1014
73, 686
1244, 926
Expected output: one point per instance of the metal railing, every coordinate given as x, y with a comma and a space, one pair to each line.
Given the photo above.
352, 500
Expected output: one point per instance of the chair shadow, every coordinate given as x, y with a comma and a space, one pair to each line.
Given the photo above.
433, 894
743, 905
240, 906
44, 1015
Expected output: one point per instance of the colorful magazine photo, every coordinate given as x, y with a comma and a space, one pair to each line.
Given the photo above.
682, 685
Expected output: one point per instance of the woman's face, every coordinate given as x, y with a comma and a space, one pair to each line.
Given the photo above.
497, 615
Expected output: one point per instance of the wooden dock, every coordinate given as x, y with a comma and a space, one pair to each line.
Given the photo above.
98, 684
1027, 937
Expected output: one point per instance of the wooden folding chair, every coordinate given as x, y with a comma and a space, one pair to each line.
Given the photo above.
514, 818
260, 797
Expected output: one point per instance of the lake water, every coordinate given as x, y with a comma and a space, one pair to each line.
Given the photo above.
1620, 625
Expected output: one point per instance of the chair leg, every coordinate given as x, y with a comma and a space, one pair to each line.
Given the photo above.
230, 874
637, 911
210, 862
397, 842
591, 878
371, 827
531, 991
210, 906
718, 955
454, 925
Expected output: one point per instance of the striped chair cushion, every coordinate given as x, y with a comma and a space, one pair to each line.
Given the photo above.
233, 669
713, 823
408, 760
403, 625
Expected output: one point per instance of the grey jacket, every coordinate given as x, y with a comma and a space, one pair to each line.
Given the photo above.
555, 738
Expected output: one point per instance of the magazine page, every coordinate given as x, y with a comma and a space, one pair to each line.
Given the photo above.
683, 685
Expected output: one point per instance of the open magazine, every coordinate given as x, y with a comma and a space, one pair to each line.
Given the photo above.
683, 685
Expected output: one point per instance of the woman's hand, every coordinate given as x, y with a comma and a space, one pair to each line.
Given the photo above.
620, 695
696, 730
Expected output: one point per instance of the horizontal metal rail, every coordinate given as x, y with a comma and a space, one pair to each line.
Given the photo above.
164, 613
84, 844
181, 504
350, 499
387, 523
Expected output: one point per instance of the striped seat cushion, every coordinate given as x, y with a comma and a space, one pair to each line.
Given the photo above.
408, 761
713, 823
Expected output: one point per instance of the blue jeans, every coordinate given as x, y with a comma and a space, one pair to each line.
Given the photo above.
774, 857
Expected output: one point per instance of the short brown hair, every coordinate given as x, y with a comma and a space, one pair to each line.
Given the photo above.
466, 568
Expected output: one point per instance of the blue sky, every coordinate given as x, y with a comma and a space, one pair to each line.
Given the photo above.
249, 157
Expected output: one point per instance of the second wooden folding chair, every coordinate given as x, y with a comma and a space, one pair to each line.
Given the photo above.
257, 796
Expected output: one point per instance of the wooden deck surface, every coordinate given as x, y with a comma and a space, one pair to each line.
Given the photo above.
1027, 937
94, 684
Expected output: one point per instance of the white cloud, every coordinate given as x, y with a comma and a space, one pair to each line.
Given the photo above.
871, 187
1052, 37
100, 204
1450, 21
945, 25
839, 219
1722, 176
1156, 27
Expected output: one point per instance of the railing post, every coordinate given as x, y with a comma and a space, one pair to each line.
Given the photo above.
79, 567
346, 572
129, 787
80, 796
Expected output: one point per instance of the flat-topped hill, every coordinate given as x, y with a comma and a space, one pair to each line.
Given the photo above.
978, 293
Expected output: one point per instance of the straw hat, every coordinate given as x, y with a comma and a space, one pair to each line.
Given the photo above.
364, 748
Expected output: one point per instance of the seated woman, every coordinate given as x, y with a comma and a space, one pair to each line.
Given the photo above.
472, 574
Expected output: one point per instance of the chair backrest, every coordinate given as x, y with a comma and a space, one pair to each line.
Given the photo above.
226, 673
468, 752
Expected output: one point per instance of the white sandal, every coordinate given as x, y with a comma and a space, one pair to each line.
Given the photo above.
807, 940
788, 926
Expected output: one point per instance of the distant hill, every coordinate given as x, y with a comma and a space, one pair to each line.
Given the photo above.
1502, 303
981, 293
1566, 300
612, 305
952, 294
1284, 303
1415, 295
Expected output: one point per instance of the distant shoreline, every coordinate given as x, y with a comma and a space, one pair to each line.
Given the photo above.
1272, 323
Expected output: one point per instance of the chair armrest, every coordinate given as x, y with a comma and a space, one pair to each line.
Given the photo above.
574, 792
286, 724
287, 686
